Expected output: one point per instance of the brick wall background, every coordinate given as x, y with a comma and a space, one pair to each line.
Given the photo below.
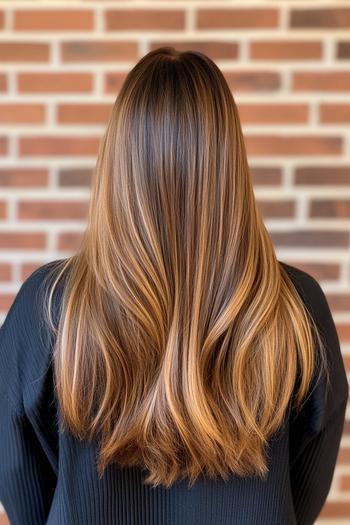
288, 64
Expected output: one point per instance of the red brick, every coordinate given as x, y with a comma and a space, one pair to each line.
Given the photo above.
3, 146
280, 209
339, 302
335, 509
2, 25
254, 18
23, 177
311, 238
321, 81
330, 208
216, 50
22, 113
22, 240
343, 50
5, 276
322, 175
252, 81
144, 19
69, 241
320, 271
3, 209
286, 50
83, 113
53, 19
266, 175
75, 177
320, 18
28, 268
273, 113
24, 52
51, 210
3, 82
335, 113
54, 82
92, 51
42, 145
113, 81
293, 145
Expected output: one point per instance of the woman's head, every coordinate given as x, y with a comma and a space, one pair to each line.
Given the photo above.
180, 335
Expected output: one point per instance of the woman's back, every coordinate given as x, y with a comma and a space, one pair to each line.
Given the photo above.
49, 476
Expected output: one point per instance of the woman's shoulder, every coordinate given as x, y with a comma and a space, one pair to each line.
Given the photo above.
25, 341
310, 290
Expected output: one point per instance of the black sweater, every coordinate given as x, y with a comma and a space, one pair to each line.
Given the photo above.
50, 477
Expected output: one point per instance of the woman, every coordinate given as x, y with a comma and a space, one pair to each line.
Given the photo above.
172, 371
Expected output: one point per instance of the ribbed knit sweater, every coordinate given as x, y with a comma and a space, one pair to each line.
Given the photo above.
49, 477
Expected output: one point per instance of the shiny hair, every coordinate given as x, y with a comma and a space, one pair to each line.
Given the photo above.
180, 339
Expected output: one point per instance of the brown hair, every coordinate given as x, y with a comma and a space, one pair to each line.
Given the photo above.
180, 336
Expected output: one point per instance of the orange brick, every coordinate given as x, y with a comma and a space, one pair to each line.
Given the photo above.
57, 146
344, 452
83, 113
286, 50
5, 276
90, 51
53, 19
273, 113
23, 177
293, 145
2, 24
22, 241
335, 113
321, 81
24, 52
214, 49
22, 113
51, 210
54, 82
343, 330
316, 18
144, 19
237, 18
344, 482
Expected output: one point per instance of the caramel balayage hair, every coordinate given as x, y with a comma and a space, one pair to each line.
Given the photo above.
180, 336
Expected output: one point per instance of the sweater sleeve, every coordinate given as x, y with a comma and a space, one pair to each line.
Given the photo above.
28, 430
316, 429
27, 480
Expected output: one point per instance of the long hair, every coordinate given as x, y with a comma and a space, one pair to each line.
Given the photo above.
180, 337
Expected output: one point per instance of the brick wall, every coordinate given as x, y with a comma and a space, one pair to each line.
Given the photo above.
288, 65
